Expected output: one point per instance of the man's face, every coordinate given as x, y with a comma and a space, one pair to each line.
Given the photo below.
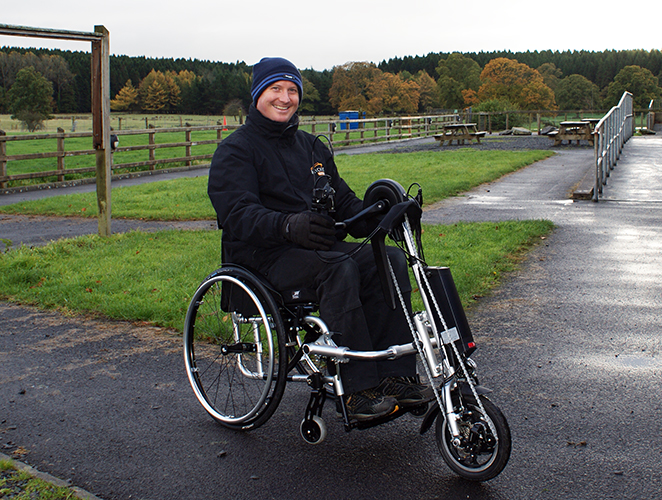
279, 101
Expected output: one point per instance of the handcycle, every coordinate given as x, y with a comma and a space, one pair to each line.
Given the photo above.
244, 340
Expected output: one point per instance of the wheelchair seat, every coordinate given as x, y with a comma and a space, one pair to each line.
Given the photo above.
235, 300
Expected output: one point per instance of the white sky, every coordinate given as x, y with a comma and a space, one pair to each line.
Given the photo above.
323, 34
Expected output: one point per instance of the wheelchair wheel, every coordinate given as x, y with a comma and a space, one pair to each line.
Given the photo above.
234, 348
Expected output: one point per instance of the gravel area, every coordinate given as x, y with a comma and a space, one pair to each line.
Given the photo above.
495, 142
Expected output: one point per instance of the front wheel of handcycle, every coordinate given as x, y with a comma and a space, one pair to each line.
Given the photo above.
234, 349
479, 455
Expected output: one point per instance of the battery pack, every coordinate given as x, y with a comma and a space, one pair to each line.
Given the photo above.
443, 287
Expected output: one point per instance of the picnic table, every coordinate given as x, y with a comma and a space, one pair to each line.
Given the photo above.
459, 132
592, 122
573, 131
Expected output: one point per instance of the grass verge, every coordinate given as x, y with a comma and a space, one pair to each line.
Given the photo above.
150, 277
20, 485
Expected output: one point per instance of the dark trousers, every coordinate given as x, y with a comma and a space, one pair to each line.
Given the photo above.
351, 304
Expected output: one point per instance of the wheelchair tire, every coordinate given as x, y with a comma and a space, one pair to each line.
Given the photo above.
480, 456
234, 349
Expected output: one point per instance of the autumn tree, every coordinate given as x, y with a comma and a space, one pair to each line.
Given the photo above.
640, 82
159, 91
30, 98
351, 81
390, 94
126, 99
457, 73
523, 86
577, 92
429, 92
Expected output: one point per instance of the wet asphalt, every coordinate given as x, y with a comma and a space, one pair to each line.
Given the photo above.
570, 344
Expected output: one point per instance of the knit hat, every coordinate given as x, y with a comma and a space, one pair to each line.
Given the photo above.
273, 69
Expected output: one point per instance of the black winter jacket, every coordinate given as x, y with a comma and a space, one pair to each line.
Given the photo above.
261, 173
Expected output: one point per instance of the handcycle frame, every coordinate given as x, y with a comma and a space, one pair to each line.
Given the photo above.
468, 426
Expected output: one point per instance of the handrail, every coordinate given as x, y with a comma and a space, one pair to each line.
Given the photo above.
611, 134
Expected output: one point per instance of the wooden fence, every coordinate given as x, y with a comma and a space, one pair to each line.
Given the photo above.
341, 133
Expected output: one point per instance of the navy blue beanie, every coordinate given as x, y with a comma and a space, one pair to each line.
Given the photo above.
274, 69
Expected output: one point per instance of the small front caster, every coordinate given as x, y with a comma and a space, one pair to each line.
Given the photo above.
313, 430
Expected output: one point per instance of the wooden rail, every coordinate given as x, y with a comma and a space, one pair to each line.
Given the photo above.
356, 132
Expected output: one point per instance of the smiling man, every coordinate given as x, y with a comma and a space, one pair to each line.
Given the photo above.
261, 184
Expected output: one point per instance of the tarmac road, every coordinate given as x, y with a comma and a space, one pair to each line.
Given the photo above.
570, 344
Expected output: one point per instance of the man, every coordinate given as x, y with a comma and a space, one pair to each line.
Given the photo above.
261, 185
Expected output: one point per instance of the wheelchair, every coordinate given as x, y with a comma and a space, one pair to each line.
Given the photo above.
244, 341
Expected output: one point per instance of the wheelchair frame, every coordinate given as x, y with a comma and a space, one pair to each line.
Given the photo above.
260, 348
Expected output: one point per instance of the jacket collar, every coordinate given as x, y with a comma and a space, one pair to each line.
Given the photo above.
272, 129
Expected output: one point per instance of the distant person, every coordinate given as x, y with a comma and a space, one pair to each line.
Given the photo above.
261, 185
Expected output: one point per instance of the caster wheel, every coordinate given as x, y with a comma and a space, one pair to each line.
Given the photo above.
419, 411
313, 431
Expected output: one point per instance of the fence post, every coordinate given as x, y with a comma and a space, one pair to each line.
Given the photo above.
60, 154
3, 158
188, 144
152, 149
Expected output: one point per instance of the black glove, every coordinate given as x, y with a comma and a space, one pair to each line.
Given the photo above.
310, 230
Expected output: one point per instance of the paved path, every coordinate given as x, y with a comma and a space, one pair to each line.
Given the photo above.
570, 344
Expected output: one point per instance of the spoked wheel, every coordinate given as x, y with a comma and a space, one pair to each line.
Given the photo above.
234, 345
479, 456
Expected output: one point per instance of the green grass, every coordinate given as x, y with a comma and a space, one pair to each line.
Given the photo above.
150, 277
442, 174
19, 485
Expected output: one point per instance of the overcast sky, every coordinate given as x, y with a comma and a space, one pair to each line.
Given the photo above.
323, 34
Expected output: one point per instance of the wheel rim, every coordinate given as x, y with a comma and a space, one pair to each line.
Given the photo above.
230, 359
477, 455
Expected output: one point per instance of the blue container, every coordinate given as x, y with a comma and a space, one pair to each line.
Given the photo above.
348, 115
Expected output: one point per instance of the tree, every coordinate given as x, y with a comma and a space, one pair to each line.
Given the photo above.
577, 92
126, 99
310, 97
30, 98
429, 92
56, 70
391, 94
640, 82
551, 75
523, 86
349, 90
234, 108
159, 91
156, 97
456, 74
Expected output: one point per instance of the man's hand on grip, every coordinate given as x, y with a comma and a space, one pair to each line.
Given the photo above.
310, 230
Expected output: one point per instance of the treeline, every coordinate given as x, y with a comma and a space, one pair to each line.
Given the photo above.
598, 67
206, 87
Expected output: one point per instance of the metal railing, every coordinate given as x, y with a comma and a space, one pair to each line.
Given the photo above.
611, 133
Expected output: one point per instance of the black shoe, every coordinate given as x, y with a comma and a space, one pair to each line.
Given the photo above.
406, 391
369, 404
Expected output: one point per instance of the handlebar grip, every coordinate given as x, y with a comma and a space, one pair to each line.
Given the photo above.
376, 208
